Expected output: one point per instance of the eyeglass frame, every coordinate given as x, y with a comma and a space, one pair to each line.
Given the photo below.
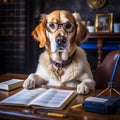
60, 25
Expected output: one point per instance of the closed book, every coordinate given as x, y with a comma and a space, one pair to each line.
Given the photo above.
11, 84
102, 104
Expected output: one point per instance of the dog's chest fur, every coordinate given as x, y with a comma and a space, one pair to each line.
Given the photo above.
52, 73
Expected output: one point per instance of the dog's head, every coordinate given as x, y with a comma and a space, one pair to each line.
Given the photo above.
60, 31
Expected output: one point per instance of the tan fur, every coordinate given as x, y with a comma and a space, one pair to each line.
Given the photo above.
77, 73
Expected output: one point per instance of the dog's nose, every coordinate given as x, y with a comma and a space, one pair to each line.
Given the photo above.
61, 40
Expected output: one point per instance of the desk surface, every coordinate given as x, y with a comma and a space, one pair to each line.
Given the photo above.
9, 112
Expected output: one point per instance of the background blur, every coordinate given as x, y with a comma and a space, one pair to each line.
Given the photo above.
19, 52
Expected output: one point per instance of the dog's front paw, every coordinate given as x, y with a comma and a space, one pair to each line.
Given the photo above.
82, 89
32, 81
29, 83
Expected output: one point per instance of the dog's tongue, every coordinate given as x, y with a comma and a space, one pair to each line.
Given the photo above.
59, 55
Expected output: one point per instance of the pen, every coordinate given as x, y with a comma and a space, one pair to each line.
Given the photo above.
56, 114
77, 106
50, 113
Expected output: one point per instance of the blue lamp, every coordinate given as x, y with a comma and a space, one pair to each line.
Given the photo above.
111, 82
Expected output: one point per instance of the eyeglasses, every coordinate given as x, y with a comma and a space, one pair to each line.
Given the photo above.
53, 27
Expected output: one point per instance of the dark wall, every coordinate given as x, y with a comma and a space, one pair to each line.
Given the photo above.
82, 7
12, 35
19, 53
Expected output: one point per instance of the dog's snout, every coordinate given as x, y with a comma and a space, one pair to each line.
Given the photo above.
61, 40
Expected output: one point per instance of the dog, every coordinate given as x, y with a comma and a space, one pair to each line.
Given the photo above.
64, 62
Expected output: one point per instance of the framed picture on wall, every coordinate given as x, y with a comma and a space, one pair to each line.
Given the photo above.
104, 22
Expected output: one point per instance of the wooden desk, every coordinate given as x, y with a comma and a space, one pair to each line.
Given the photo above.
101, 37
19, 113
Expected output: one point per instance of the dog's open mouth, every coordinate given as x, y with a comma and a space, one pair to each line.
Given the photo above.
61, 48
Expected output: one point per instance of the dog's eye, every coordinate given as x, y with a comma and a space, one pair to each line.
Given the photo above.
68, 25
51, 27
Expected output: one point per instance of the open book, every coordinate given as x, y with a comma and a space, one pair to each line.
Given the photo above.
41, 98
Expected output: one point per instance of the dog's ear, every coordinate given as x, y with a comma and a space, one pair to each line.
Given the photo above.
82, 31
39, 32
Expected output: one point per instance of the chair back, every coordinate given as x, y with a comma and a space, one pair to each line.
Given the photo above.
102, 74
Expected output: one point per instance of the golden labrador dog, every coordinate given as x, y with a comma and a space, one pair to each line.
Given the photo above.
63, 62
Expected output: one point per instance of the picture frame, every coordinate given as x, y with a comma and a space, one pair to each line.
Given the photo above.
104, 22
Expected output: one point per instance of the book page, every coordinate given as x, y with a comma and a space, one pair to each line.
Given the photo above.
54, 98
24, 97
